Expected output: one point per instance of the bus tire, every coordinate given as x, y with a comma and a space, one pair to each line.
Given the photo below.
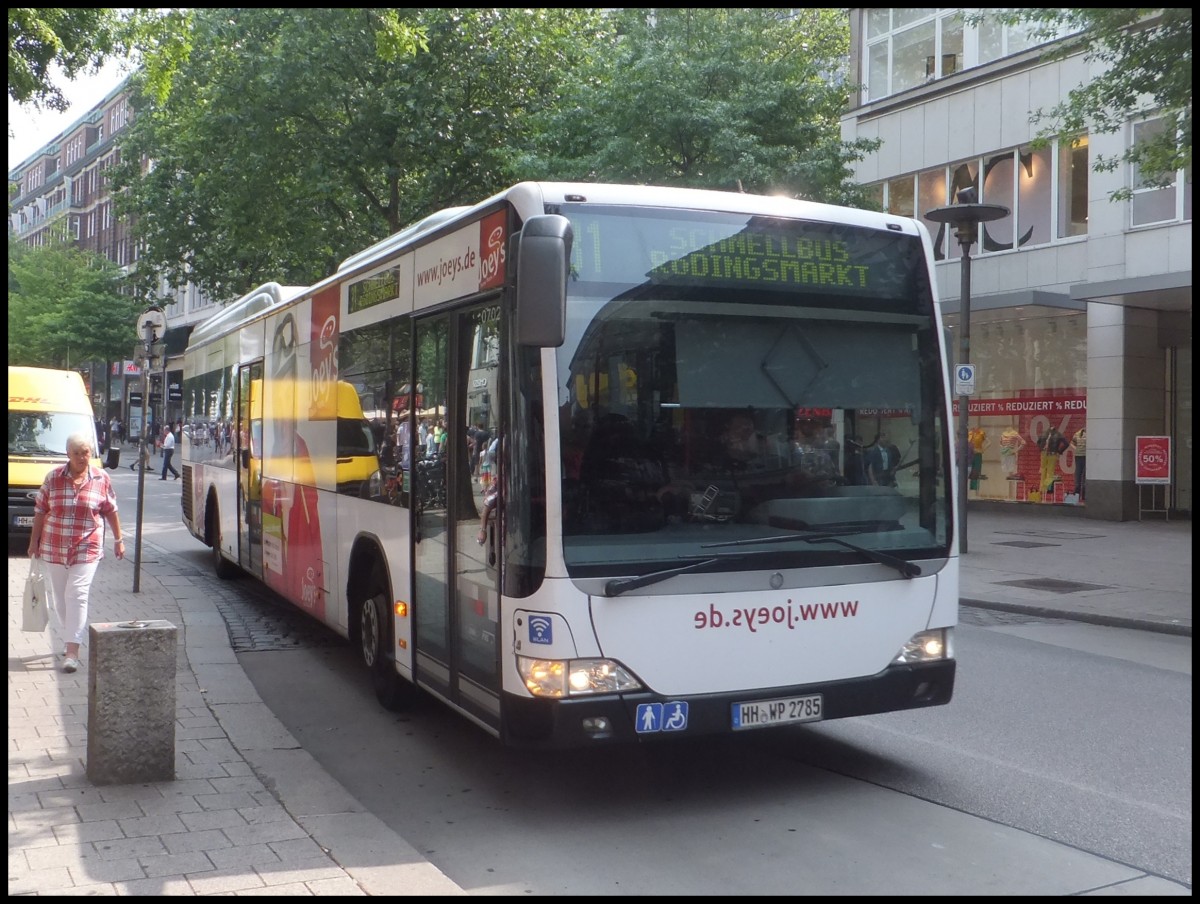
375, 641
224, 569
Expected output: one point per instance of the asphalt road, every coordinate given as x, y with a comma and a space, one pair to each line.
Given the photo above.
1073, 733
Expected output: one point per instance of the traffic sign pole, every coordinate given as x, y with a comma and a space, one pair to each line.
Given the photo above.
964, 379
152, 325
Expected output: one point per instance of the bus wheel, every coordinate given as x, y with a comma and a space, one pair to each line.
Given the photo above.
224, 569
374, 633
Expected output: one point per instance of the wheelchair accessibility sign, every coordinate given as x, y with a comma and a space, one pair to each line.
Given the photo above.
670, 716
964, 379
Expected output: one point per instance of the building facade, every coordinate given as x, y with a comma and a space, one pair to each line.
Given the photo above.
62, 191
1080, 314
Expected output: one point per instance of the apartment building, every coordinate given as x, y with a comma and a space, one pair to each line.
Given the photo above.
62, 190
1080, 312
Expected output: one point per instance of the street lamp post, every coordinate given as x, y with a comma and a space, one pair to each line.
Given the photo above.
965, 216
152, 323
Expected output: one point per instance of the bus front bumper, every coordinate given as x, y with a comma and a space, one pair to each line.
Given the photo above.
590, 721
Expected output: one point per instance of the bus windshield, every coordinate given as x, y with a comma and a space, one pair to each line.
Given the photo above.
728, 380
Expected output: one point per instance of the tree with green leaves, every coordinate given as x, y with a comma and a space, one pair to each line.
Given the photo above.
77, 40
66, 306
288, 139
1148, 58
736, 99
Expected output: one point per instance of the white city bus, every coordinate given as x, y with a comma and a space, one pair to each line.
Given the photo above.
637, 580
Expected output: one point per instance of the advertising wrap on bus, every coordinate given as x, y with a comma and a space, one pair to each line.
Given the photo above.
680, 463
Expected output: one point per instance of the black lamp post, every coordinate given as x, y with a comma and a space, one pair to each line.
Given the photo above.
152, 323
965, 216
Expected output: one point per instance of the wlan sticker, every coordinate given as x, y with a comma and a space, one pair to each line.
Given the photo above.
541, 629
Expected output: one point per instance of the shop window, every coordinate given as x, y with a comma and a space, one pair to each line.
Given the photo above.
1032, 373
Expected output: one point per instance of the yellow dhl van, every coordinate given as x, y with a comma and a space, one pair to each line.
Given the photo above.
44, 408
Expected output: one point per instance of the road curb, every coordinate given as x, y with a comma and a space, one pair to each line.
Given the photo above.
1092, 618
375, 856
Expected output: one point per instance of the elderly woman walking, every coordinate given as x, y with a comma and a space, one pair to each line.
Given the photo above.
68, 516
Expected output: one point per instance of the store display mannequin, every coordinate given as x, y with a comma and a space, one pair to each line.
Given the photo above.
1079, 444
978, 440
1011, 442
1053, 444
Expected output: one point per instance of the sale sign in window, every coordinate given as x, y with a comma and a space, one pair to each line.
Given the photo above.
1153, 459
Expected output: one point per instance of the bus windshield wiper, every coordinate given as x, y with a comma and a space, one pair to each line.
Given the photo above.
617, 586
905, 567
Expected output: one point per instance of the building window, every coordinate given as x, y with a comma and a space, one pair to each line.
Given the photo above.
1023, 180
997, 41
1073, 169
905, 48
901, 199
1153, 203
909, 47
931, 189
117, 116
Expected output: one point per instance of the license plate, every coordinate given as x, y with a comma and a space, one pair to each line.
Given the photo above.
783, 711
22, 520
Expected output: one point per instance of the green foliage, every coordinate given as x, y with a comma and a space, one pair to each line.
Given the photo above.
737, 99
284, 140
66, 305
291, 138
1147, 55
76, 39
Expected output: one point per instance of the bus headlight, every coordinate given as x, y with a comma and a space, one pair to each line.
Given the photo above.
928, 646
575, 677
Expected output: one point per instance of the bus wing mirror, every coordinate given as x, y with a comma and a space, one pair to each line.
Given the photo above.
112, 460
543, 260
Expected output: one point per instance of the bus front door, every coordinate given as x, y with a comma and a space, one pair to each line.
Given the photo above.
455, 596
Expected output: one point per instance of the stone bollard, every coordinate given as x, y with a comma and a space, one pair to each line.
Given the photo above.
131, 702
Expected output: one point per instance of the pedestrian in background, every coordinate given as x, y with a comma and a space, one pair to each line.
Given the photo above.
168, 451
68, 535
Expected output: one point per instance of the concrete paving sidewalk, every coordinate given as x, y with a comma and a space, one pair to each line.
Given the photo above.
250, 812
1054, 561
